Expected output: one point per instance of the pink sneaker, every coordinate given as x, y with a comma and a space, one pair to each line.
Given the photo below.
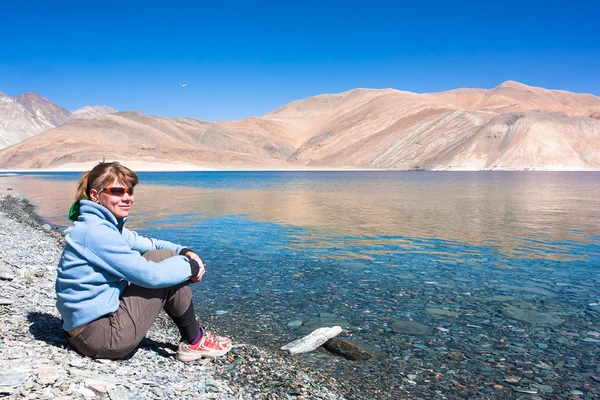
219, 339
209, 346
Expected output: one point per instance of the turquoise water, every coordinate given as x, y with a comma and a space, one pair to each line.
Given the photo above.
491, 261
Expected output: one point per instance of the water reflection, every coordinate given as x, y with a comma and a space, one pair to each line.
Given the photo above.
537, 215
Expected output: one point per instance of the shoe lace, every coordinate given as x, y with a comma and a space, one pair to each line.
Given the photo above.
216, 339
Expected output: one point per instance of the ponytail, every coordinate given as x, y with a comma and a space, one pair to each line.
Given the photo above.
83, 190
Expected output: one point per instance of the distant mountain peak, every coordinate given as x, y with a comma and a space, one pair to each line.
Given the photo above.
32, 95
513, 85
92, 111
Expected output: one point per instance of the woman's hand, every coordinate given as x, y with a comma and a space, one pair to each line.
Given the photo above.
193, 256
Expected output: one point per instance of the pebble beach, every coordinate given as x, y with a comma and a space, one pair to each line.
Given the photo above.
38, 362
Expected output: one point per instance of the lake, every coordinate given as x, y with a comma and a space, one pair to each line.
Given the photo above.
501, 270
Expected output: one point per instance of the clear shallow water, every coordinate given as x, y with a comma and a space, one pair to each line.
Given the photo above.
377, 247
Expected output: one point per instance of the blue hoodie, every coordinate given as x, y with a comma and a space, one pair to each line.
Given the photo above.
101, 258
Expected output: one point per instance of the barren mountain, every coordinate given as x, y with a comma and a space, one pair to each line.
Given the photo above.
512, 126
134, 136
17, 123
92, 111
531, 140
514, 96
30, 114
43, 109
401, 130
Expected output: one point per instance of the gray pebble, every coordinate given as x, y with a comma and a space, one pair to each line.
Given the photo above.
6, 302
14, 378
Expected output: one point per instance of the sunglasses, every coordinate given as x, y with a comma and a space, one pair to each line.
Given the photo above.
117, 191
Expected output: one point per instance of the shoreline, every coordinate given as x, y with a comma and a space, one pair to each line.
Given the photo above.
40, 363
9, 172
145, 166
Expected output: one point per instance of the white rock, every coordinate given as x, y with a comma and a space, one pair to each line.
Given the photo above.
82, 374
85, 392
47, 375
100, 387
313, 340
5, 391
5, 272
5, 302
77, 363
120, 394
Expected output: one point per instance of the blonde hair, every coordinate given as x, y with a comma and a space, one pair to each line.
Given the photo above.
102, 175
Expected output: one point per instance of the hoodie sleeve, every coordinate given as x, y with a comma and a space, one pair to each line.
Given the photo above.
143, 244
111, 251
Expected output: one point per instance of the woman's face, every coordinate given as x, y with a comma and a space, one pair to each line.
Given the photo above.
118, 206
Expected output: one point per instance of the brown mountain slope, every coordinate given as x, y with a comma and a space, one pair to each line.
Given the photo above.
29, 114
367, 131
44, 109
532, 140
391, 129
514, 96
17, 123
408, 142
134, 136
304, 119
511, 126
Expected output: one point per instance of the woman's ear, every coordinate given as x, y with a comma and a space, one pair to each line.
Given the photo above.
94, 195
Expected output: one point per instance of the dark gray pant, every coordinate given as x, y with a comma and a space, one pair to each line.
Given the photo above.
117, 334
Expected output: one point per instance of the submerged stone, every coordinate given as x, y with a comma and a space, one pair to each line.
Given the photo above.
352, 349
411, 328
327, 322
499, 298
440, 311
534, 318
528, 289
594, 307
525, 390
543, 388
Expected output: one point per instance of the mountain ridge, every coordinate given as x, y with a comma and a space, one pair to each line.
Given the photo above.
29, 114
511, 126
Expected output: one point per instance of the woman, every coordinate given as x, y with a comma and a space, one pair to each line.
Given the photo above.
113, 283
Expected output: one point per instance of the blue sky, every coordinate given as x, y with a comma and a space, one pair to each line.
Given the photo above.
245, 58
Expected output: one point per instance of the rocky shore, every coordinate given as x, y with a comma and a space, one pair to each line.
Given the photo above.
447, 331
38, 362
